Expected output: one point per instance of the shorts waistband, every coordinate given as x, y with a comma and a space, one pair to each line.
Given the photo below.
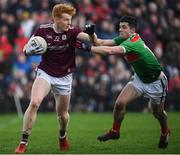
162, 76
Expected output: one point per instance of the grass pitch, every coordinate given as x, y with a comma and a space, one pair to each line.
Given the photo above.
139, 134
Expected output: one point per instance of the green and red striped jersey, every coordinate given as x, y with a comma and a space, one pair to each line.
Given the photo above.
142, 59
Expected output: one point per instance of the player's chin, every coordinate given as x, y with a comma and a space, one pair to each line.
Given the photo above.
66, 29
121, 35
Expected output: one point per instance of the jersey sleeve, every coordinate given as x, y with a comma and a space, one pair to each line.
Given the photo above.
118, 40
130, 47
39, 32
76, 31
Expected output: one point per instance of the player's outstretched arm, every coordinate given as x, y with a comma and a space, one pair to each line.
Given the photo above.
89, 34
104, 50
90, 30
107, 50
101, 42
95, 40
92, 38
104, 42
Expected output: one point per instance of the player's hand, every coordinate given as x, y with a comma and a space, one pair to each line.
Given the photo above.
89, 29
83, 45
33, 49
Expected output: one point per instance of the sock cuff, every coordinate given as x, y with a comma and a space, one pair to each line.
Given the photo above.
164, 130
116, 126
23, 142
62, 137
25, 137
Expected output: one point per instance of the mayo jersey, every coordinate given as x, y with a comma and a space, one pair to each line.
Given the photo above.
143, 61
59, 59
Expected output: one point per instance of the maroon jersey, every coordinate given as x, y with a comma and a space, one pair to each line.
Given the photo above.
59, 59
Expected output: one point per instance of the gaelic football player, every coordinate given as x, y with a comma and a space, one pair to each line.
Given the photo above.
148, 80
55, 71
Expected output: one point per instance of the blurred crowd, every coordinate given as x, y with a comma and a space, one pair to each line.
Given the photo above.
98, 79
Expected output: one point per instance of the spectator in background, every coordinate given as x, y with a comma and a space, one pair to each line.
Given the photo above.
13, 27
6, 48
174, 90
21, 68
149, 37
107, 30
103, 95
27, 23
20, 41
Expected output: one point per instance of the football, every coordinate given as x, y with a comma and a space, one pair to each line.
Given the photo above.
38, 41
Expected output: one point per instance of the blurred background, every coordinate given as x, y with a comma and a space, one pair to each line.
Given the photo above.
98, 79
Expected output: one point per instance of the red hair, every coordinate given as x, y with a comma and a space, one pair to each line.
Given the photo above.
58, 9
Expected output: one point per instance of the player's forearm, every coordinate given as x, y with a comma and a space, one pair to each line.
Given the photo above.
107, 50
99, 42
104, 50
95, 41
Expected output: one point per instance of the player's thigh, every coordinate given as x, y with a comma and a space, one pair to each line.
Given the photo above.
62, 102
40, 89
128, 94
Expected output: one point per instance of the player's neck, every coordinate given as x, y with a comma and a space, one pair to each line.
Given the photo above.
57, 28
134, 33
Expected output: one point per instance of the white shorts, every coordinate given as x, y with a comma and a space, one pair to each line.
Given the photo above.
59, 85
155, 91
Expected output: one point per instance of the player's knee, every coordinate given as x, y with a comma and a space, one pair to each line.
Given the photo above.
34, 105
120, 104
158, 115
63, 115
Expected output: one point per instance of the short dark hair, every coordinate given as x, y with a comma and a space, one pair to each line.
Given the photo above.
132, 21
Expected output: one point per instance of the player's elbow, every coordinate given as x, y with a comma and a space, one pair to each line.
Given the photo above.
113, 51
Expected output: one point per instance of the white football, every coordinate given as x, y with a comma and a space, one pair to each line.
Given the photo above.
38, 41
